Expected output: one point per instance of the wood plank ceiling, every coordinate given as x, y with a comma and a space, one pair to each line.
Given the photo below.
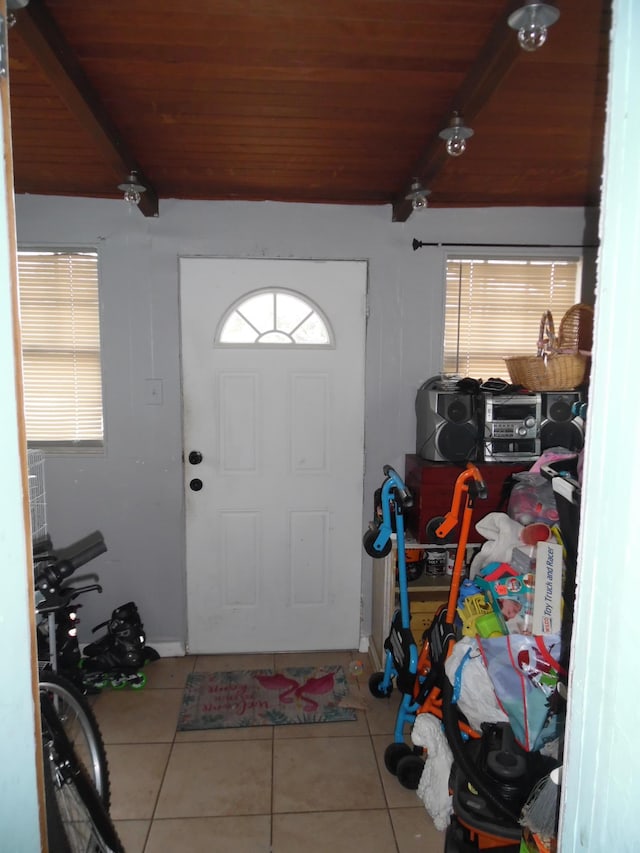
338, 101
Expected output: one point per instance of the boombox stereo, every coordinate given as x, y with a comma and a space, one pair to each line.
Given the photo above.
453, 426
560, 427
512, 427
447, 426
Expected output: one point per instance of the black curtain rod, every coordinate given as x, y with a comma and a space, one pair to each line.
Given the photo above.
418, 244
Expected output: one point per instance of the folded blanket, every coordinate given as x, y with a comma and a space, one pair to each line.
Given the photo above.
502, 534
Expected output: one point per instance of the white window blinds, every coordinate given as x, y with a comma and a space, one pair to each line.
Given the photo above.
60, 328
493, 309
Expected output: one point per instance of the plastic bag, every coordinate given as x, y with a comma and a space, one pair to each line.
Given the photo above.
524, 672
532, 500
551, 455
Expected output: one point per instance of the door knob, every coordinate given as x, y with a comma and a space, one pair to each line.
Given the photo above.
195, 457
195, 485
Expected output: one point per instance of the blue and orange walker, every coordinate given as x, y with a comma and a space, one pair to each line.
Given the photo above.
417, 673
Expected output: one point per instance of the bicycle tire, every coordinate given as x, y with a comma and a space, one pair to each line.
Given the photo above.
82, 729
56, 835
77, 818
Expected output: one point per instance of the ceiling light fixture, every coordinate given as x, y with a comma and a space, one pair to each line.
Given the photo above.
531, 21
418, 195
456, 135
132, 189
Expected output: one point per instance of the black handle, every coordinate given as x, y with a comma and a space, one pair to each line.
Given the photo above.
195, 457
63, 562
73, 556
195, 485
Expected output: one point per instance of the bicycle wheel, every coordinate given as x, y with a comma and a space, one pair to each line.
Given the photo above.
77, 819
81, 728
56, 835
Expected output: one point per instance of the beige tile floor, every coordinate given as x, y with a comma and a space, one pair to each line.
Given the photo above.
284, 789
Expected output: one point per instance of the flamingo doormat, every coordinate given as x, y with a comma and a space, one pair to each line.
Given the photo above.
263, 697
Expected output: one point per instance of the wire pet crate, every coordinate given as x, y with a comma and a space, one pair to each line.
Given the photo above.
37, 495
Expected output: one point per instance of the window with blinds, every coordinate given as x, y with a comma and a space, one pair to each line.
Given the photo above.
60, 329
493, 308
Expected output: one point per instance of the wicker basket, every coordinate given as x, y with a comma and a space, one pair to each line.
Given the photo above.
576, 329
549, 370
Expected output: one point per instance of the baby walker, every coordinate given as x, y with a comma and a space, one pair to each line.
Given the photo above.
401, 652
416, 676
440, 636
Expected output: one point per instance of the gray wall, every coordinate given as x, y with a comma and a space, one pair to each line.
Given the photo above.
134, 491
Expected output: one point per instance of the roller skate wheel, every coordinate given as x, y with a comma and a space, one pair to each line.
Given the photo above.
136, 681
95, 682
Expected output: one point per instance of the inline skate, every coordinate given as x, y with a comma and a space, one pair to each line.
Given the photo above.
117, 659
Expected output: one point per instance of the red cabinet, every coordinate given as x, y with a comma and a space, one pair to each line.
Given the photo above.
432, 483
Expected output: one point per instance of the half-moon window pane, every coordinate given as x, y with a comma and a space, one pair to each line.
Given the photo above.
275, 317
312, 331
291, 312
238, 330
259, 310
274, 338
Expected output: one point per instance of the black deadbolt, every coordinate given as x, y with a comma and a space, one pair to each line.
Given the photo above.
195, 457
195, 485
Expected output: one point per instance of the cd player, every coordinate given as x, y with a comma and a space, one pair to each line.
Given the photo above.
512, 427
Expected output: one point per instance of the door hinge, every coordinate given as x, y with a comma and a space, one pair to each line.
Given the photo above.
4, 57
5, 25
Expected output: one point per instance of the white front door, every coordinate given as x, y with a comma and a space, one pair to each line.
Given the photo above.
273, 535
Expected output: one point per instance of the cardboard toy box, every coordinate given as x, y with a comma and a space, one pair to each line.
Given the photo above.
547, 602
512, 598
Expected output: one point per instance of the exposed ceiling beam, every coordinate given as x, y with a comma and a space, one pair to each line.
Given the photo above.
492, 64
50, 50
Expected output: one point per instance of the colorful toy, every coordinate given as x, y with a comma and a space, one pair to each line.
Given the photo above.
474, 607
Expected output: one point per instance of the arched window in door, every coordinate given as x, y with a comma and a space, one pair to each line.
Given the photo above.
274, 316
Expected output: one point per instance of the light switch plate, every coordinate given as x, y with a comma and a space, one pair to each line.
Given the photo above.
153, 392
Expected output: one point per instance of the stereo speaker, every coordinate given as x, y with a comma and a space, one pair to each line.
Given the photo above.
559, 427
447, 426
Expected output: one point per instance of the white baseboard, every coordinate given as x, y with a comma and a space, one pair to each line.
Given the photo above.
373, 656
178, 650
169, 650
